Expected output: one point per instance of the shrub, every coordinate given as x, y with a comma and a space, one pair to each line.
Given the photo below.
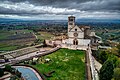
14, 78
33, 63
103, 56
118, 63
8, 68
116, 75
118, 46
18, 74
1, 72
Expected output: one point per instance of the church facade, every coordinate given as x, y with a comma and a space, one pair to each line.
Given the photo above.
78, 36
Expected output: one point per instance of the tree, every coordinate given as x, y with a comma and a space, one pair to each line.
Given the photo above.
18, 74
116, 75
114, 59
118, 46
118, 63
8, 68
103, 56
14, 78
1, 72
44, 43
106, 72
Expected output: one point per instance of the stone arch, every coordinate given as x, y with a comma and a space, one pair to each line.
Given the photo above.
75, 42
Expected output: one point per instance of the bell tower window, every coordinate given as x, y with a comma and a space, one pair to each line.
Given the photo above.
71, 19
70, 23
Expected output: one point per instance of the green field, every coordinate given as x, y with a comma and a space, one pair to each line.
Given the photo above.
4, 34
113, 35
44, 35
6, 47
67, 64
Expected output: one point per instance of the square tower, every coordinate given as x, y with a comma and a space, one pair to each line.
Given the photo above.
71, 22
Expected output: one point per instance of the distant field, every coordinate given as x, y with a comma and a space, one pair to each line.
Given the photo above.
67, 64
44, 35
113, 35
7, 47
4, 34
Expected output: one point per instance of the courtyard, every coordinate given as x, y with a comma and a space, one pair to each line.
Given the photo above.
63, 64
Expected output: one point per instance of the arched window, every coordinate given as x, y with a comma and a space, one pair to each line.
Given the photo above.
75, 42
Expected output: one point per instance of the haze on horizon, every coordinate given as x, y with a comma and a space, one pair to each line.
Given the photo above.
59, 9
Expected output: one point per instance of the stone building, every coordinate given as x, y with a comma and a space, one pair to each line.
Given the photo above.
79, 37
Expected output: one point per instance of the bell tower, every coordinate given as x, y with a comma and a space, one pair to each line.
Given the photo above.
71, 22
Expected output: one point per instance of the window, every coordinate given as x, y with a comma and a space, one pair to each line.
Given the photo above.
75, 29
71, 20
70, 23
75, 34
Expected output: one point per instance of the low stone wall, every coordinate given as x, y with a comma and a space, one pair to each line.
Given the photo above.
75, 47
94, 73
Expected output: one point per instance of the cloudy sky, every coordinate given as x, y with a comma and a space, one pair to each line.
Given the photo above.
59, 9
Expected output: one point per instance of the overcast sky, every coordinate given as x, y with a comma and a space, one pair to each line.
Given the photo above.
59, 9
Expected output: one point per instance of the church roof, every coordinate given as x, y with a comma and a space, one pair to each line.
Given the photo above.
85, 27
77, 28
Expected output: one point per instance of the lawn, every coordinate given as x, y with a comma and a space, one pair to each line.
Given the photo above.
67, 64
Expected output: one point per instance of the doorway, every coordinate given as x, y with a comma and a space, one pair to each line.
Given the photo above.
75, 42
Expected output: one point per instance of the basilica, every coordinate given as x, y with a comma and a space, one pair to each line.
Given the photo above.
79, 37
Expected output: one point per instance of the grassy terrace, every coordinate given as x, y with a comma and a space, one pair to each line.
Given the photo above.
67, 64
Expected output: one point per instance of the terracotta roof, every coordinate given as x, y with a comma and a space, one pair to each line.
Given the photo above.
84, 27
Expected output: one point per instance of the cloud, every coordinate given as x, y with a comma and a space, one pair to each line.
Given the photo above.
60, 8
27, 8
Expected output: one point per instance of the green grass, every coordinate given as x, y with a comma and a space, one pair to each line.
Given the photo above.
67, 64
7, 47
44, 35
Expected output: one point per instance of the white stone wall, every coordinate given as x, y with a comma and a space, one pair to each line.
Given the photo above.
52, 43
80, 34
79, 31
79, 47
84, 42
